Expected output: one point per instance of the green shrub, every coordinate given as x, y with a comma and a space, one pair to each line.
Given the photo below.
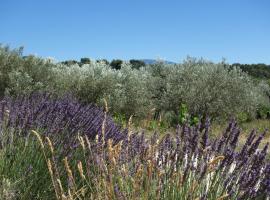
264, 112
207, 89
24, 74
210, 89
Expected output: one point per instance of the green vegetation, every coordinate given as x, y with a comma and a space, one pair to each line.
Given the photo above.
132, 88
56, 143
260, 71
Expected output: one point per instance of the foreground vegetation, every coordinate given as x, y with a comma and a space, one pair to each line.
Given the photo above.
59, 149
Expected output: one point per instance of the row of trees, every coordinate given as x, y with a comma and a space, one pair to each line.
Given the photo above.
115, 63
259, 71
207, 89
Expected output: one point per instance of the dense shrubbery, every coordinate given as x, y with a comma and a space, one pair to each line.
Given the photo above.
211, 89
23, 74
207, 89
186, 165
260, 71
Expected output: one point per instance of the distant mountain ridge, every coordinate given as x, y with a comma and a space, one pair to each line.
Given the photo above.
153, 61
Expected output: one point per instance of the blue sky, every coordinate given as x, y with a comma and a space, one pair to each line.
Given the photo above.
238, 30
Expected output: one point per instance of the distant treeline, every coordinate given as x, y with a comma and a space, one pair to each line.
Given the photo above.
260, 70
115, 63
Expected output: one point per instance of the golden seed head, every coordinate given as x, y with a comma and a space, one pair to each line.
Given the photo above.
60, 186
80, 169
106, 105
120, 143
149, 168
69, 194
97, 138
114, 161
139, 171
129, 126
161, 173
39, 138
50, 166
110, 144
216, 160
223, 197
206, 149
81, 140
103, 130
88, 142
118, 149
64, 197
6, 113
130, 121
67, 167
124, 169
50, 144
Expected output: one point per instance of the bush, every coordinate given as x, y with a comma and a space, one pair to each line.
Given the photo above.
55, 115
9, 61
90, 83
116, 64
24, 74
210, 89
136, 64
207, 89
131, 96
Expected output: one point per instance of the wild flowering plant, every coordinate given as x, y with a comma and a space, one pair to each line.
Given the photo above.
184, 165
41, 111
104, 162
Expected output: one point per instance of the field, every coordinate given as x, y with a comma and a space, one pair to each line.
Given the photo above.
195, 130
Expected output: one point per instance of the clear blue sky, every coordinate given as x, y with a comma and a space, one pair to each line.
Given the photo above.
238, 30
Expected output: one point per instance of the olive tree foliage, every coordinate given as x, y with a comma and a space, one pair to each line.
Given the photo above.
131, 95
89, 82
20, 74
207, 89
157, 85
210, 89
8, 62
124, 89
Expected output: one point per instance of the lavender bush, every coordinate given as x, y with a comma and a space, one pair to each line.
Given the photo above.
55, 117
107, 163
184, 165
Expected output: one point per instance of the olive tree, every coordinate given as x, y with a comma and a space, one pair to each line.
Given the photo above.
131, 95
210, 89
90, 82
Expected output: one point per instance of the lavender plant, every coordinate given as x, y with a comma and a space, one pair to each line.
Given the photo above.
104, 162
184, 165
56, 117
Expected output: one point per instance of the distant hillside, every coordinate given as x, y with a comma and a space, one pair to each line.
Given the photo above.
153, 61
